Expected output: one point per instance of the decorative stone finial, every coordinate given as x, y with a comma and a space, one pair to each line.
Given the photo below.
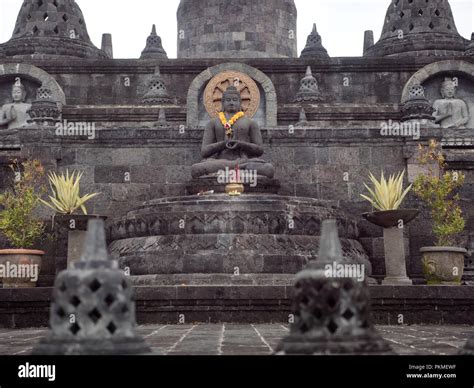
303, 120
44, 110
107, 46
417, 107
157, 92
154, 48
93, 312
162, 122
309, 91
332, 314
368, 40
314, 47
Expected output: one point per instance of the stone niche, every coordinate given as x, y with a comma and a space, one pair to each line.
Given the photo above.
7, 82
32, 78
465, 91
431, 77
266, 115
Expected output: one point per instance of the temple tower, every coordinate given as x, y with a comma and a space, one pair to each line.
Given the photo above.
237, 29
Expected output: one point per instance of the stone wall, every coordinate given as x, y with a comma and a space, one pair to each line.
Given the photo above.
131, 160
341, 80
140, 165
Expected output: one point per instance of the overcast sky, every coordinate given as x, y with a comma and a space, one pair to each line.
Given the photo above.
341, 23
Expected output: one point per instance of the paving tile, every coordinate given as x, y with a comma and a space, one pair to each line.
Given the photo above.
257, 339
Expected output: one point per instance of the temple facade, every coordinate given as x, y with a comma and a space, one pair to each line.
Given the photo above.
136, 128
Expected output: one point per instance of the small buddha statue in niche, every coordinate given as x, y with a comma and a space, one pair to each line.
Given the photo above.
450, 112
231, 140
15, 114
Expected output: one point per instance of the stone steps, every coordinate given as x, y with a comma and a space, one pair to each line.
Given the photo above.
410, 305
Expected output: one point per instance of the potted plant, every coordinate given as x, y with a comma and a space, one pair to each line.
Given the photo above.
20, 267
66, 200
386, 196
438, 189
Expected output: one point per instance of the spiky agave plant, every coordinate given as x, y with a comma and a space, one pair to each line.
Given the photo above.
387, 195
66, 197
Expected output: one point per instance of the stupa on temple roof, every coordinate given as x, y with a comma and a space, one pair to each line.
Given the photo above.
154, 48
51, 28
419, 27
314, 47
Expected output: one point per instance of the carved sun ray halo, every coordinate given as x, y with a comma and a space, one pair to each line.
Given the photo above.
248, 89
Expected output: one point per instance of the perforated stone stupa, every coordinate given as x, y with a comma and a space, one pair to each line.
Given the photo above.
419, 27
314, 46
154, 48
51, 28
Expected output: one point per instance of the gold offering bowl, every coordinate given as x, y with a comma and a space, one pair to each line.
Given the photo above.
235, 189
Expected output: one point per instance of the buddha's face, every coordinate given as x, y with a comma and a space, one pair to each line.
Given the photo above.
17, 94
231, 103
448, 91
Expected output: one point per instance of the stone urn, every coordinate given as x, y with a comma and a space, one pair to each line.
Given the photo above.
393, 223
443, 265
20, 268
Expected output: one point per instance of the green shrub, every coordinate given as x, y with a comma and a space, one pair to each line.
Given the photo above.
439, 190
18, 221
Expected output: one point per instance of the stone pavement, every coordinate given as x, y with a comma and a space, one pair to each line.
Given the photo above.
258, 339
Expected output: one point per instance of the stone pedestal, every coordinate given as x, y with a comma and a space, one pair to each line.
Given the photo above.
395, 264
75, 244
254, 239
70, 233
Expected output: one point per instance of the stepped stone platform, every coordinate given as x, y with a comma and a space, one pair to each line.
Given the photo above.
391, 305
254, 239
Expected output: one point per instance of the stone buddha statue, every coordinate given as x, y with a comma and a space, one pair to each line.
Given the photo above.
15, 115
450, 112
231, 140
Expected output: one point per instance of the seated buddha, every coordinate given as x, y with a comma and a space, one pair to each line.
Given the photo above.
15, 114
232, 140
450, 112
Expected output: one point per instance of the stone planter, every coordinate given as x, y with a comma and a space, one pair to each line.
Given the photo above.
391, 218
393, 222
20, 268
70, 232
443, 265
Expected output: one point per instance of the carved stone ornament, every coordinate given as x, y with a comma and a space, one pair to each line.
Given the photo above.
247, 87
